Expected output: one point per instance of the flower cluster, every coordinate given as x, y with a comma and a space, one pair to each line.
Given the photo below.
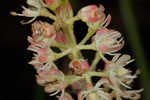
114, 80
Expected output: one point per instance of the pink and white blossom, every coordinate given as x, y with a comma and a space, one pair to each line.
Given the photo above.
108, 41
92, 13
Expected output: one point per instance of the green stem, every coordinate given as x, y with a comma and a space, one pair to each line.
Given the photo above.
98, 74
72, 20
58, 45
71, 32
91, 74
74, 50
76, 53
69, 37
95, 61
70, 79
88, 35
67, 26
87, 47
59, 55
88, 79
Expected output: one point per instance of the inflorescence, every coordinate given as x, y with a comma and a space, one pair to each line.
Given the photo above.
114, 80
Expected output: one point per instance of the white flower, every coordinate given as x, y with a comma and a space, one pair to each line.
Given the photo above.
120, 77
132, 94
33, 11
94, 16
95, 93
108, 41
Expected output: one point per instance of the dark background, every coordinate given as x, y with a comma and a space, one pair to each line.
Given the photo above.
17, 79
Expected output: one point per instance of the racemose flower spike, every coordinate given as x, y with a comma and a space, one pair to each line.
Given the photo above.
81, 77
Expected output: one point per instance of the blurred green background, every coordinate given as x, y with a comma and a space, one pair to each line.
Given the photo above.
130, 17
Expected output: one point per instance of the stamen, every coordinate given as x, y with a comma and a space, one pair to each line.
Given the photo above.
115, 35
22, 22
116, 56
104, 59
15, 14
130, 61
99, 83
124, 84
46, 65
130, 76
120, 40
115, 46
107, 21
55, 93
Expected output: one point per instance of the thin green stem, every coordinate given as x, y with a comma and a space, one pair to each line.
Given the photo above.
74, 50
70, 79
91, 74
87, 47
88, 35
69, 37
95, 61
59, 55
88, 79
98, 74
67, 26
76, 53
58, 45
71, 32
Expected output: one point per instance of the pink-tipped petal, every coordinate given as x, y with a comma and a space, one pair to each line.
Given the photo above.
85, 65
42, 58
108, 20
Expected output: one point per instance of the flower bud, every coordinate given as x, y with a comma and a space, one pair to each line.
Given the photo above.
79, 85
47, 29
79, 66
43, 33
92, 13
61, 37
